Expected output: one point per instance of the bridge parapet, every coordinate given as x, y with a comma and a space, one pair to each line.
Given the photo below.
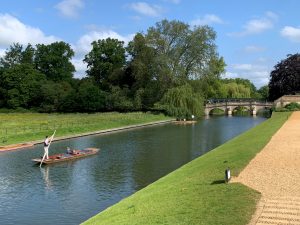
286, 99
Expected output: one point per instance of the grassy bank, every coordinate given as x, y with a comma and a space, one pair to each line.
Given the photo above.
196, 193
24, 127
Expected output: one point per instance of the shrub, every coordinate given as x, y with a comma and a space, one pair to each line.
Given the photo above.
293, 106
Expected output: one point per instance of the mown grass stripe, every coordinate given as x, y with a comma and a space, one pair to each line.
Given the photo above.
196, 192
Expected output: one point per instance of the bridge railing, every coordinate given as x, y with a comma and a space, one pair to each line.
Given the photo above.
224, 100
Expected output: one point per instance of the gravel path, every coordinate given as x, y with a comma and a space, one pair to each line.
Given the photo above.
275, 172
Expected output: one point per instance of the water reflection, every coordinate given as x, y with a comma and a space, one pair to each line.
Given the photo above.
45, 174
71, 192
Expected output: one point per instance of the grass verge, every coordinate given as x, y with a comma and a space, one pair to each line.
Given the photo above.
196, 193
25, 127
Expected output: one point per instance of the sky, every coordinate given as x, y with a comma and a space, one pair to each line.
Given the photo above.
252, 36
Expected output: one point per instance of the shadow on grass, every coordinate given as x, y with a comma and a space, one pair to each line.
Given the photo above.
218, 182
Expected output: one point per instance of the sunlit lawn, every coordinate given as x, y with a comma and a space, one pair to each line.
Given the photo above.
24, 127
196, 193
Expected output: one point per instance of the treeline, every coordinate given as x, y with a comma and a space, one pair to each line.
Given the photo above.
172, 67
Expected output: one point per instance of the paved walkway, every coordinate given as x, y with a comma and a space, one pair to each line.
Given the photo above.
275, 172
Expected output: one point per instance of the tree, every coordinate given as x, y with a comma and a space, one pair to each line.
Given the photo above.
182, 102
285, 78
21, 86
264, 92
235, 90
105, 57
118, 99
169, 55
182, 53
54, 60
246, 83
16, 55
90, 98
54, 96
144, 71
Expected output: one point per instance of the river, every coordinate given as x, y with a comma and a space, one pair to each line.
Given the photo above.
72, 192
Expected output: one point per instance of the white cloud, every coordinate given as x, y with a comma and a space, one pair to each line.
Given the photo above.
272, 15
70, 8
83, 46
253, 49
2, 52
258, 74
12, 30
80, 67
208, 19
173, 1
247, 67
291, 33
146, 9
257, 26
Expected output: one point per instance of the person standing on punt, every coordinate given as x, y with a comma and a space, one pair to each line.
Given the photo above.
46, 147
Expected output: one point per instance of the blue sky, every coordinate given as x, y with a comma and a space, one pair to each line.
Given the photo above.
252, 36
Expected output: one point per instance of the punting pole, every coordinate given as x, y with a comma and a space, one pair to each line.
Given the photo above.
48, 147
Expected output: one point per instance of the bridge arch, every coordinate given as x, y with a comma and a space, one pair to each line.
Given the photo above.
217, 108
242, 110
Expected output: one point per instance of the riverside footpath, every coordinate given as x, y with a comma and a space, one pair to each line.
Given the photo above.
275, 173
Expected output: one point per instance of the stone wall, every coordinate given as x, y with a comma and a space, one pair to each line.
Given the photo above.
286, 99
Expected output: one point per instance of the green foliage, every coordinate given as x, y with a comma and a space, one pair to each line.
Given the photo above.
183, 52
182, 102
169, 55
118, 99
293, 106
15, 55
285, 78
105, 57
162, 60
235, 90
53, 95
264, 92
53, 60
90, 98
22, 86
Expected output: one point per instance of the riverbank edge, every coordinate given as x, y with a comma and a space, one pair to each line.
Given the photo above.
29, 144
196, 192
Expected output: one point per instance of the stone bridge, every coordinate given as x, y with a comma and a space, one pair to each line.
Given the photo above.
229, 104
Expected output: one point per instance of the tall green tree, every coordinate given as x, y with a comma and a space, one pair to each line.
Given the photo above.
285, 78
170, 54
54, 60
183, 52
104, 59
147, 87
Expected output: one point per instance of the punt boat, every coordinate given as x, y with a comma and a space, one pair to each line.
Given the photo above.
74, 154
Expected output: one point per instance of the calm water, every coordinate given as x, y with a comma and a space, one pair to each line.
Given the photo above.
71, 192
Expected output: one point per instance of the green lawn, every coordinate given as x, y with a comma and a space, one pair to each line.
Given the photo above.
196, 193
24, 127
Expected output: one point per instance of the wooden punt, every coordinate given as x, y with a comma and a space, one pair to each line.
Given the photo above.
67, 156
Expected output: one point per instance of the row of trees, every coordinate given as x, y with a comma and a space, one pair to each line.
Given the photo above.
172, 67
